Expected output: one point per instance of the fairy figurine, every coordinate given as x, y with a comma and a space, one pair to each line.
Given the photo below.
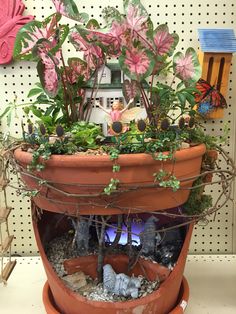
121, 113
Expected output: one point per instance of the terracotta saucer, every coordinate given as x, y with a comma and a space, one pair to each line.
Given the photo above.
179, 309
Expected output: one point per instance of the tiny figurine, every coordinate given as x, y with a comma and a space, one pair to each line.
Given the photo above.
81, 236
119, 113
148, 237
120, 284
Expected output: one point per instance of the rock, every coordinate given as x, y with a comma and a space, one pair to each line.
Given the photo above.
76, 280
86, 289
185, 145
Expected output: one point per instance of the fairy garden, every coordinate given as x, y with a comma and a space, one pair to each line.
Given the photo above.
124, 112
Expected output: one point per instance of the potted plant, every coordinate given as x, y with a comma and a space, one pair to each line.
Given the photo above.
147, 170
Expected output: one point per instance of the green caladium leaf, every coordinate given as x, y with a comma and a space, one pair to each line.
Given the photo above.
69, 9
34, 31
137, 63
187, 67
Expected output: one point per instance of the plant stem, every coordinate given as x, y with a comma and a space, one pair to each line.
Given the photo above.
118, 232
74, 116
90, 105
101, 237
145, 102
129, 243
152, 80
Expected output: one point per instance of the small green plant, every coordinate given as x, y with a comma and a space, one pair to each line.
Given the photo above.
112, 186
197, 201
166, 180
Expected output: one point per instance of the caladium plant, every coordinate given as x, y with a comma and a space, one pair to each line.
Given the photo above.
144, 55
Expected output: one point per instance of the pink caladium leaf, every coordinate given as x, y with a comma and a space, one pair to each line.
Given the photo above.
93, 54
47, 70
130, 90
137, 63
164, 42
69, 9
187, 67
79, 67
87, 39
138, 25
135, 18
30, 33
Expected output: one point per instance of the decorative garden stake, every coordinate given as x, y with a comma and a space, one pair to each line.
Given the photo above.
11, 20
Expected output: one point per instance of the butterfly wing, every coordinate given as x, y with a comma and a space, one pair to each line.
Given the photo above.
9, 9
11, 20
217, 99
132, 114
204, 88
8, 33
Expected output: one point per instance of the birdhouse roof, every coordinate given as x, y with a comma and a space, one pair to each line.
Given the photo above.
217, 40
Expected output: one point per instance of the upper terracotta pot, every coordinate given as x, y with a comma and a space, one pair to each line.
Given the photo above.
88, 175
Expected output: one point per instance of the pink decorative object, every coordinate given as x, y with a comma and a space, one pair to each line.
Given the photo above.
11, 20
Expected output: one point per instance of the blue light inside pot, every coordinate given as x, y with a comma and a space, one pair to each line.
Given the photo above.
136, 228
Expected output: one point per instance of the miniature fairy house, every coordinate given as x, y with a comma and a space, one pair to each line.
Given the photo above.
217, 47
109, 90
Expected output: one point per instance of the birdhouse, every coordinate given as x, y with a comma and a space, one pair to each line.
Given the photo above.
217, 47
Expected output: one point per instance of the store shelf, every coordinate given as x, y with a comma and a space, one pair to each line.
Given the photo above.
212, 280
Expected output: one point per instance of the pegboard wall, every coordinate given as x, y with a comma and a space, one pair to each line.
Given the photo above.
182, 16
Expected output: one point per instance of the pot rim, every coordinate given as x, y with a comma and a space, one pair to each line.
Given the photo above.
71, 161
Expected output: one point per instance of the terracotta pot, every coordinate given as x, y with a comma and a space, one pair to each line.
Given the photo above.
179, 309
162, 301
88, 175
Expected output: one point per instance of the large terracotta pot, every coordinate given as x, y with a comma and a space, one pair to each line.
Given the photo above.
88, 175
161, 301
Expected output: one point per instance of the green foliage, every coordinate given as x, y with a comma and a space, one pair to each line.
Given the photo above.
167, 180
197, 202
46, 149
31, 193
86, 135
116, 168
197, 135
112, 186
